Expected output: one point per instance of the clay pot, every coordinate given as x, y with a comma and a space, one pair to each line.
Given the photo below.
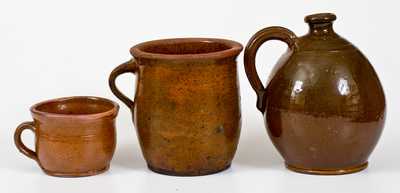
74, 136
324, 106
186, 108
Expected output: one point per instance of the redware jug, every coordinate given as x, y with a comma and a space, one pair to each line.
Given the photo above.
324, 106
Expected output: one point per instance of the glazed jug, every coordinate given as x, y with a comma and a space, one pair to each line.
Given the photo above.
323, 106
186, 108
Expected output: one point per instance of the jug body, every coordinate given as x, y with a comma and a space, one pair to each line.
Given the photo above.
324, 106
187, 108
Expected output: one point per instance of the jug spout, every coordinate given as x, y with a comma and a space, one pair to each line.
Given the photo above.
320, 23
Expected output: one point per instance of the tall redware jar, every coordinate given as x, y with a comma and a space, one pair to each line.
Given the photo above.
324, 105
186, 108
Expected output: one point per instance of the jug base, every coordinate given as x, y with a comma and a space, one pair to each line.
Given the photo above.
76, 174
327, 171
189, 173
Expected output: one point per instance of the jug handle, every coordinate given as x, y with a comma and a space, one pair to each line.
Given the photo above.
269, 33
129, 66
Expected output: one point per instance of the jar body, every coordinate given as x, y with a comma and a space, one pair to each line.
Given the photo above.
75, 148
187, 115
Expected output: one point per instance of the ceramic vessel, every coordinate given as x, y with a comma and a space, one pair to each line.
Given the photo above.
324, 106
186, 108
74, 136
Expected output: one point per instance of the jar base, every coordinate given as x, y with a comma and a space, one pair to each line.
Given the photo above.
76, 174
341, 171
174, 173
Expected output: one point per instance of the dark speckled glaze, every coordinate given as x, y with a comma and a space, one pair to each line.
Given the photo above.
324, 106
186, 108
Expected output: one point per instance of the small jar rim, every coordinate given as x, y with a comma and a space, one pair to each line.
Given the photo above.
109, 112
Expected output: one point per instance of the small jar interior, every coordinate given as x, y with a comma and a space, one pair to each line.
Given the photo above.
76, 106
183, 48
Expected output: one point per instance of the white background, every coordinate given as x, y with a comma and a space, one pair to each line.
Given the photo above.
52, 48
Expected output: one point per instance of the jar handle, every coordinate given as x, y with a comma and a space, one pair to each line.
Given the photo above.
18, 141
130, 66
269, 33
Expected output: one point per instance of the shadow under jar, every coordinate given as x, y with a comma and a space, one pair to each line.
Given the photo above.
74, 136
186, 108
324, 105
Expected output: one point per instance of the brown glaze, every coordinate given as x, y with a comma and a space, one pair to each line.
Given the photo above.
324, 106
186, 108
74, 136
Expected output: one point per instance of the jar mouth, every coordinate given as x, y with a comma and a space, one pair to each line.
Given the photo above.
187, 48
85, 107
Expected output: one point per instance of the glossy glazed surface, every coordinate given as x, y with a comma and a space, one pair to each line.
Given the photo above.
75, 136
187, 108
324, 106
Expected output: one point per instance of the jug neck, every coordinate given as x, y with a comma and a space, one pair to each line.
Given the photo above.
321, 23
321, 29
